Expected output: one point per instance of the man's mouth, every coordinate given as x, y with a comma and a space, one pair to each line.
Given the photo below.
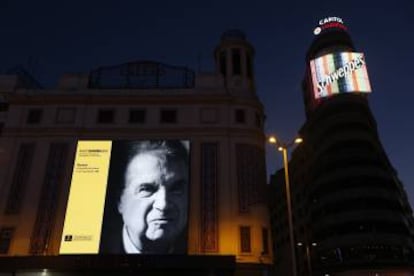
161, 220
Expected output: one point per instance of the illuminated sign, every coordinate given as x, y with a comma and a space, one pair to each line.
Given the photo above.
329, 23
128, 197
330, 19
343, 72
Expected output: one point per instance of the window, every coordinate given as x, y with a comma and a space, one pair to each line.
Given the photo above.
235, 53
137, 116
265, 241
245, 245
169, 116
258, 119
46, 210
6, 236
208, 214
249, 66
20, 178
240, 116
34, 116
106, 116
4, 107
251, 175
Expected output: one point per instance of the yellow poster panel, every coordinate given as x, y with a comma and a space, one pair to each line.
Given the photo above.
84, 213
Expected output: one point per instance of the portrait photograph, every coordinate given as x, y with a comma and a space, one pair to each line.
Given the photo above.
146, 205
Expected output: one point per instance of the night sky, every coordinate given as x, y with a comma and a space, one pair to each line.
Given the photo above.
55, 37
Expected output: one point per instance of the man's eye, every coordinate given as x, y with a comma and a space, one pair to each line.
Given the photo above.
145, 189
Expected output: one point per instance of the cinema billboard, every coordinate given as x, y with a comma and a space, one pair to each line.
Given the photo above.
342, 72
128, 197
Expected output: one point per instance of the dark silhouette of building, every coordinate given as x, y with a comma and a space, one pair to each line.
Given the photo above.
351, 214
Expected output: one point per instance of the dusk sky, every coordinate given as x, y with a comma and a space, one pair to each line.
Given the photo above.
55, 37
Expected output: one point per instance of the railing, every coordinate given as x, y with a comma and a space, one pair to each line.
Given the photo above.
141, 75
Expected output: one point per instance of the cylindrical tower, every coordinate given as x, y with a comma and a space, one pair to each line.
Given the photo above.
351, 215
358, 213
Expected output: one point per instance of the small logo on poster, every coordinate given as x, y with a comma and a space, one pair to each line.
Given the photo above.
68, 238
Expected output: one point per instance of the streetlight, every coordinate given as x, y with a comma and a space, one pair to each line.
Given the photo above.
308, 256
281, 146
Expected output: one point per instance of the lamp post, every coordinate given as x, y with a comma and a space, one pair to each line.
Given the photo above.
283, 147
308, 256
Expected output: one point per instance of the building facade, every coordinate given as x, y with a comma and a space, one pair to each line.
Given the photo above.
350, 211
218, 112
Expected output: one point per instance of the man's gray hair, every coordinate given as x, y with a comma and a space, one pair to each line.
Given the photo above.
170, 150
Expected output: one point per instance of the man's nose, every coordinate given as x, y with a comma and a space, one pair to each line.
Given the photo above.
161, 199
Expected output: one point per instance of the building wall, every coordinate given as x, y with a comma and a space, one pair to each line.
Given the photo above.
206, 113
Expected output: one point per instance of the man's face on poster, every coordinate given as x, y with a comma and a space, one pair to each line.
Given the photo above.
154, 202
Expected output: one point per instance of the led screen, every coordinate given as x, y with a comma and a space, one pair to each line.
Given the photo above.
343, 72
128, 197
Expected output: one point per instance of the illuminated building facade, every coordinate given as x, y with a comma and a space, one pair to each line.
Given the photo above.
350, 211
218, 112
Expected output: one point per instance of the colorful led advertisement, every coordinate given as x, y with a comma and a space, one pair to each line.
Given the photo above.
343, 72
128, 197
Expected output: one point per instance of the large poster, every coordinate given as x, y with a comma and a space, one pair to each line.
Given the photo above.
342, 72
128, 197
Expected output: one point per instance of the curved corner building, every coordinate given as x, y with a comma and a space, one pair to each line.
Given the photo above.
351, 213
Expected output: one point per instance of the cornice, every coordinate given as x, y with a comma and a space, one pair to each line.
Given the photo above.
64, 99
138, 133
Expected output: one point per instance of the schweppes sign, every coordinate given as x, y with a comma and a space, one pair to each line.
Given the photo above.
341, 72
